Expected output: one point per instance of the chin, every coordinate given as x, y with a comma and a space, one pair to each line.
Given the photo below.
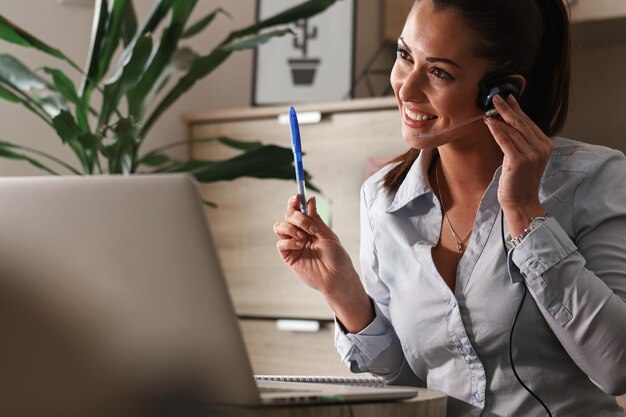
423, 143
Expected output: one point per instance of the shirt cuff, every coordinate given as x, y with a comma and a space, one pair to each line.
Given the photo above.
371, 341
543, 248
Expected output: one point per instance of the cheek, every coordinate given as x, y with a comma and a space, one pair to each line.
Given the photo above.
395, 77
460, 101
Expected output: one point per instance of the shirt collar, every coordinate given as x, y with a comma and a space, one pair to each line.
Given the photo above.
415, 183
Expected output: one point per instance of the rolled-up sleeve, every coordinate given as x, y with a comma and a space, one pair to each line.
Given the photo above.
579, 282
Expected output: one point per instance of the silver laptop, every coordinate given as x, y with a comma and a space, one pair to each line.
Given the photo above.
111, 287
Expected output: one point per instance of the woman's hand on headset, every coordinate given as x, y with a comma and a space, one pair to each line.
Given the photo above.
313, 251
526, 153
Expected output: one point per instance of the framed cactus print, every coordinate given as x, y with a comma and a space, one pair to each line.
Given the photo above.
315, 64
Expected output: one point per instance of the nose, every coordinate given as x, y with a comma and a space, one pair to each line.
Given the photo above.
409, 84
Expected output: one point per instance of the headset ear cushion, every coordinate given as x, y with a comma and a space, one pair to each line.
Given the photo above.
499, 83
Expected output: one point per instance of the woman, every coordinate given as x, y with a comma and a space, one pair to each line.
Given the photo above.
456, 230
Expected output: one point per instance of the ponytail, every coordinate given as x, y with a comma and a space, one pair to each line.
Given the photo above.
548, 82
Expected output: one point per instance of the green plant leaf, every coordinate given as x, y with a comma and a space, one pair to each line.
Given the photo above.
268, 161
9, 96
84, 145
10, 32
121, 152
156, 15
66, 87
113, 36
237, 144
129, 23
63, 84
124, 78
256, 40
201, 24
139, 97
15, 74
200, 67
301, 11
100, 17
7, 153
154, 160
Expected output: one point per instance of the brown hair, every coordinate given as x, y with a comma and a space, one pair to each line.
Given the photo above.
528, 37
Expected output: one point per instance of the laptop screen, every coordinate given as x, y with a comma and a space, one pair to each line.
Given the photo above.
111, 286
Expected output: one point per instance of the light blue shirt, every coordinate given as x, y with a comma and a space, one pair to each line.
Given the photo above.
569, 342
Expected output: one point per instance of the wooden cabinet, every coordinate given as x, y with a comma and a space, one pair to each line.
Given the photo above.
337, 151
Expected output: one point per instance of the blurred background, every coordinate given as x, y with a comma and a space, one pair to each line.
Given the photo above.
598, 112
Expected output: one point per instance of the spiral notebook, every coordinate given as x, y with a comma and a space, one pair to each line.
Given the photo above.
371, 381
145, 281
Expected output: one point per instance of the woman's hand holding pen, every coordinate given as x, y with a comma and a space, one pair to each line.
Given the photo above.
314, 253
526, 152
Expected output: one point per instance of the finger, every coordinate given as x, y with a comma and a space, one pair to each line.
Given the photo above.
285, 230
505, 143
292, 204
514, 136
312, 209
533, 136
302, 221
518, 121
512, 102
287, 245
324, 230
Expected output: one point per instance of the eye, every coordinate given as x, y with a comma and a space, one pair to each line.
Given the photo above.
441, 74
402, 53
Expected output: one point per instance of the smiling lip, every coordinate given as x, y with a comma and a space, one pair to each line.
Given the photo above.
417, 124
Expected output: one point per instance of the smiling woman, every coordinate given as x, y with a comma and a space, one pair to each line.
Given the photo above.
492, 254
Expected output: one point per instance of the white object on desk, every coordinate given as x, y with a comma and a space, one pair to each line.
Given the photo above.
288, 325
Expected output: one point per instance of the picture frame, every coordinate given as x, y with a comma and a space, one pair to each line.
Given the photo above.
314, 65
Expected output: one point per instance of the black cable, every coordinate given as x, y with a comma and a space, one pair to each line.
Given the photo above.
545, 407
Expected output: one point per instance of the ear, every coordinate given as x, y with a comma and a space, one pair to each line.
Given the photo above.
502, 83
521, 81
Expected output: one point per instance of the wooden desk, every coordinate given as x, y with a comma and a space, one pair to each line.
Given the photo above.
428, 403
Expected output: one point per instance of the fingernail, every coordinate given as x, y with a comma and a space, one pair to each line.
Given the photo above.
498, 99
313, 230
300, 243
293, 197
489, 120
300, 234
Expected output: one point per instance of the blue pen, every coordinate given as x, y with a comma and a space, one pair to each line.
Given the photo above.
297, 157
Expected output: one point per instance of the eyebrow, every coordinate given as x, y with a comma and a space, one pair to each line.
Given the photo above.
431, 58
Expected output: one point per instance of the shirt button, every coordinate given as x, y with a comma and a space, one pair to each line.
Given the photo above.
452, 302
465, 350
477, 397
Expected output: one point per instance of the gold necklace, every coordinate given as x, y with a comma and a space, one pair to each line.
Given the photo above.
459, 242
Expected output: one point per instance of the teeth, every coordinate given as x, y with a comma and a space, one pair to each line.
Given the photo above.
419, 117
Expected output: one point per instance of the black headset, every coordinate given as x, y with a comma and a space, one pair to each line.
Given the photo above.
500, 82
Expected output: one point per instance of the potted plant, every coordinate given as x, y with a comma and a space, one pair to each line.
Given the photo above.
135, 90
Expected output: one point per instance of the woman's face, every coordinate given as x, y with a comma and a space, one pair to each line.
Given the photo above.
435, 76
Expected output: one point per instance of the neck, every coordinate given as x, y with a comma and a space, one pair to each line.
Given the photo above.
469, 170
